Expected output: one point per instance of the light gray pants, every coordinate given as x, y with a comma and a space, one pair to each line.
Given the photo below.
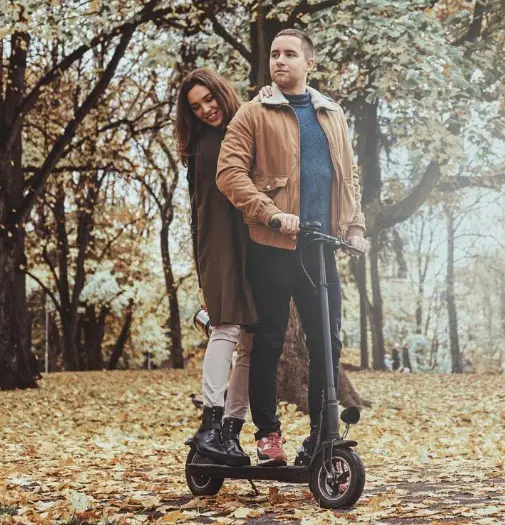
216, 369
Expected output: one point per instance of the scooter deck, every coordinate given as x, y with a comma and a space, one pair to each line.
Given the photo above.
289, 474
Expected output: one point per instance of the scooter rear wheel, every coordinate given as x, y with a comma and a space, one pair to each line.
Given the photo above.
202, 485
338, 482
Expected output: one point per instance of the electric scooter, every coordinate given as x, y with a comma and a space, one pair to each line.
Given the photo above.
335, 473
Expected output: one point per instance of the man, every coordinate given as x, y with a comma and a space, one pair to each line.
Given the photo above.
288, 157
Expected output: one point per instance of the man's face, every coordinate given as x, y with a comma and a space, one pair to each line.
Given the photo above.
288, 65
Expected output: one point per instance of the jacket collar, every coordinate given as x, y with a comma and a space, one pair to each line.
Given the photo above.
318, 99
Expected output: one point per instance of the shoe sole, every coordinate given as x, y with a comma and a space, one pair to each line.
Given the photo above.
275, 462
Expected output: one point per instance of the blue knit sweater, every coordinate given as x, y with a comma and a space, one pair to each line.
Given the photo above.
316, 167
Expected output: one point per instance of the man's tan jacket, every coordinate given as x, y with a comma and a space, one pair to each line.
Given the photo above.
259, 166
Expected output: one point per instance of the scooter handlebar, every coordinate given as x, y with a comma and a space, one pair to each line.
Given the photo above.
275, 224
311, 228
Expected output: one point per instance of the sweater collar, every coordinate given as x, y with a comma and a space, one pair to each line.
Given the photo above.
318, 99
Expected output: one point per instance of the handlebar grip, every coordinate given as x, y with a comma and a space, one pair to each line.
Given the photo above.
275, 224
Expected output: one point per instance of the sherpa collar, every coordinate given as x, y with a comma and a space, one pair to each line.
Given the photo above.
318, 99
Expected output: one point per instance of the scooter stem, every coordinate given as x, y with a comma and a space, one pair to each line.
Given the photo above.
331, 386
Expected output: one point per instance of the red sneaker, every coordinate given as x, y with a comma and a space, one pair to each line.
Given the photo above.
270, 451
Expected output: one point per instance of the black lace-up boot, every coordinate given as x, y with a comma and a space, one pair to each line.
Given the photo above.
231, 430
208, 439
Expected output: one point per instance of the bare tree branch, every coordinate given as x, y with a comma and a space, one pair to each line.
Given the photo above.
182, 279
66, 169
58, 148
389, 215
46, 289
115, 238
52, 268
475, 28
229, 38
304, 8
147, 13
492, 181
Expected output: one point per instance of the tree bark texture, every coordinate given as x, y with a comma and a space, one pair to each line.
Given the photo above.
363, 311
15, 368
118, 349
93, 334
375, 309
174, 319
293, 375
452, 313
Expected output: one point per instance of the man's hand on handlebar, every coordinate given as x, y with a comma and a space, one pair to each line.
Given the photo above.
360, 243
289, 224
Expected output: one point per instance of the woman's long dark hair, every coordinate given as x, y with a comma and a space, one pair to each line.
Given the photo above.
187, 125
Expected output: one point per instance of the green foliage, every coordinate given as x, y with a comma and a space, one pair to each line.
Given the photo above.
403, 57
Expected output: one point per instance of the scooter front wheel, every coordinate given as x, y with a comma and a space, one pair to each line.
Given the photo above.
201, 485
338, 481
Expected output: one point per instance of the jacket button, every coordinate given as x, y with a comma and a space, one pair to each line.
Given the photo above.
268, 186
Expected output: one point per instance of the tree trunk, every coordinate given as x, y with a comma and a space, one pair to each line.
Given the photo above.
368, 149
15, 368
117, 352
294, 363
93, 334
67, 315
15, 362
419, 308
378, 350
174, 320
54, 342
363, 311
451, 299
262, 31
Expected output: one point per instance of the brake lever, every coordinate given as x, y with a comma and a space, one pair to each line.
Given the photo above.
350, 250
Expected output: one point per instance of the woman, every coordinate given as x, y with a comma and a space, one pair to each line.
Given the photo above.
205, 105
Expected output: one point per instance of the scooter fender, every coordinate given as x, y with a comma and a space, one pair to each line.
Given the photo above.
337, 443
344, 443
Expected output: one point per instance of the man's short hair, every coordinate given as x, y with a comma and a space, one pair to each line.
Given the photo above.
307, 44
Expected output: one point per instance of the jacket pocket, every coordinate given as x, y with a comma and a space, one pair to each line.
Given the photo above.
276, 189
270, 184
348, 203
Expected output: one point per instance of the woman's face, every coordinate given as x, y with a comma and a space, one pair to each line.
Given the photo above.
205, 106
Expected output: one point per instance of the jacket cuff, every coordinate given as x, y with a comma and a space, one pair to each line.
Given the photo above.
267, 213
355, 231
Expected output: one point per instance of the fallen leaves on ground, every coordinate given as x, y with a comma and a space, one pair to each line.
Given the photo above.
108, 447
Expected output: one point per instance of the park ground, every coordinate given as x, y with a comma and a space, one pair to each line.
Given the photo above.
108, 448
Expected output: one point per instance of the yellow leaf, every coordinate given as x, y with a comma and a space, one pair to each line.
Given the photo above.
172, 517
241, 512
274, 497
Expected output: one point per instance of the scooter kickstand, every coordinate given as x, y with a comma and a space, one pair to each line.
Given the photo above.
253, 485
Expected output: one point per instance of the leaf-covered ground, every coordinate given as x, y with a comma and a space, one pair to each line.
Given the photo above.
107, 447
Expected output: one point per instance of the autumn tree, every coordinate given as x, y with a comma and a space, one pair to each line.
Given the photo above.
26, 77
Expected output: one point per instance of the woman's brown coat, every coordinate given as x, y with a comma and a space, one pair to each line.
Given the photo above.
220, 239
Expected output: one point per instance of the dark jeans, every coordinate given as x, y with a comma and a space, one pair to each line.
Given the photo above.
276, 276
